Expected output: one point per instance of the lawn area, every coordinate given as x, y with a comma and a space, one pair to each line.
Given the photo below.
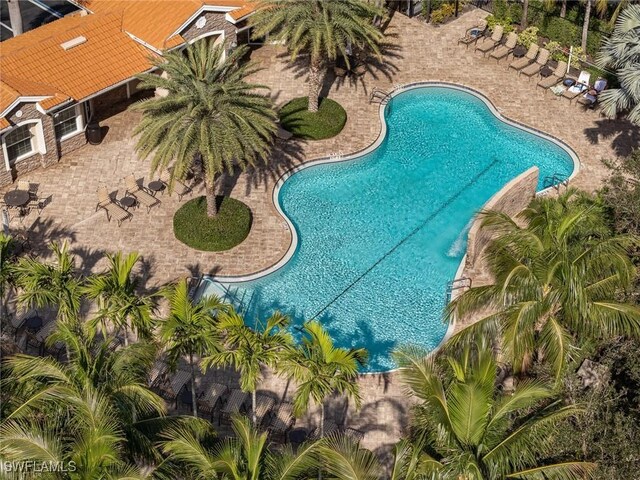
226, 230
327, 122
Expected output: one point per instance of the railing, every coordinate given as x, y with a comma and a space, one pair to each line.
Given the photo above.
379, 96
456, 284
555, 181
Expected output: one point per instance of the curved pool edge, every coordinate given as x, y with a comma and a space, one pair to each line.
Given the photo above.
375, 144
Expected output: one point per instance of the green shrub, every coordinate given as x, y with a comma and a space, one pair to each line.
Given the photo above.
528, 36
562, 31
506, 23
447, 10
228, 228
556, 51
577, 57
327, 122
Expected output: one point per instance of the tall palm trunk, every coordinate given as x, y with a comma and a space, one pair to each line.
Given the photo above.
193, 386
15, 16
210, 192
316, 75
563, 9
254, 419
585, 25
525, 13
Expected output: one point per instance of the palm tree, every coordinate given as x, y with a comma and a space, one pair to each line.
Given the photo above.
468, 429
601, 8
248, 350
91, 413
622, 52
525, 13
48, 284
322, 369
322, 29
190, 329
82, 436
209, 115
5, 271
118, 301
244, 456
556, 277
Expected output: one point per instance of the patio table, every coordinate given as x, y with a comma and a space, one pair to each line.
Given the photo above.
519, 52
128, 202
156, 186
16, 198
298, 436
33, 323
546, 71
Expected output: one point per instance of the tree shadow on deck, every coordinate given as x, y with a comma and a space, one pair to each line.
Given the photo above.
623, 135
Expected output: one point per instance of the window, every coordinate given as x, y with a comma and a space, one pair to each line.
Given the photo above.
67, 122
19, 142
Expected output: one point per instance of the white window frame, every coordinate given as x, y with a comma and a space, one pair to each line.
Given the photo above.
79, 122
37, 142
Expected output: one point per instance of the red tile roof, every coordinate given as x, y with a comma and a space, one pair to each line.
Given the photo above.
117, 34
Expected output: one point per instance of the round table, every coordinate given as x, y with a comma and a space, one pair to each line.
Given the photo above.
16, 198
519, 52
298, 435
569, 82
33, 323
156, 186
128, 202
546, 71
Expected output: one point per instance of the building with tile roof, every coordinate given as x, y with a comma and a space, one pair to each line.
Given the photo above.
56, 79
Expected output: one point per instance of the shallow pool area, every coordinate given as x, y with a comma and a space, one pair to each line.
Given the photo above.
380, 235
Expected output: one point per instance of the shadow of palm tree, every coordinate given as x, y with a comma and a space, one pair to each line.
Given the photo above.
624, 136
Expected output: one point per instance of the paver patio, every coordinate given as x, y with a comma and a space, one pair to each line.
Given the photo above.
420, 53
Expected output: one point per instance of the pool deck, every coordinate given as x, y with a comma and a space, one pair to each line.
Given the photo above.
418, 53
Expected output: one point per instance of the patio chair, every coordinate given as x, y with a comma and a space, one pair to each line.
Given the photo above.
157, 371
113, 210
264, 404
554, 78
590, 99
13, 323
329, 428
37, 339
581, 86
519, 63
473, 34
142, 195
489, 43
535, 67
503, 51
282, 420
183, 188
354, 434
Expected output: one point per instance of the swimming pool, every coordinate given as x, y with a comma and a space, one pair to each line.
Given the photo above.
380, 235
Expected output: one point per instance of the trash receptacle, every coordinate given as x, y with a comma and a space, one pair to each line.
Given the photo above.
94, 136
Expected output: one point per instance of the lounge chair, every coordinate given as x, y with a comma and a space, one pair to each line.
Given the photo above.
235, 403
581, 86
535, 67
264, 404
282, 420
473, 34
174, 185
108, 205
502, 51
488, 43
143, 196
590, 98
555, 77
210, 398
519, 63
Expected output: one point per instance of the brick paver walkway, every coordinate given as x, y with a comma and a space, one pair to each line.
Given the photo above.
419, 53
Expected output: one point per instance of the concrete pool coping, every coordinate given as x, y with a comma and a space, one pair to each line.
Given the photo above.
338, 157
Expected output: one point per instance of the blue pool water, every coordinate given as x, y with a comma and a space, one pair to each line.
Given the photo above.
382, 234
